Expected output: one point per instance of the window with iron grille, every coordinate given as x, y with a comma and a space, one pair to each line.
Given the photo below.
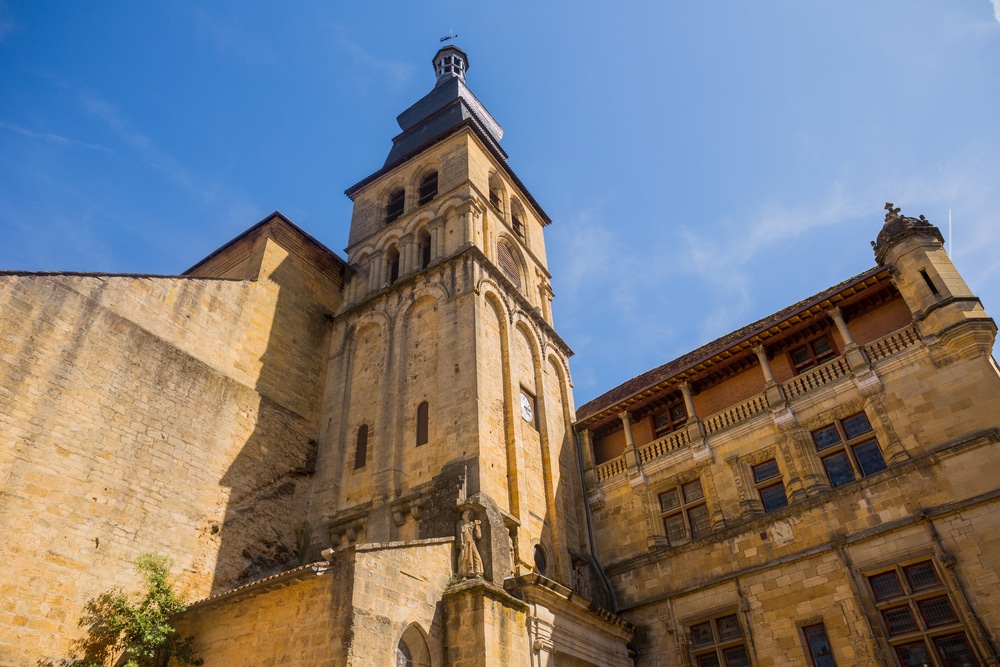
815, 352
848, 449
718, 642
919, 617
684, 513
770, 486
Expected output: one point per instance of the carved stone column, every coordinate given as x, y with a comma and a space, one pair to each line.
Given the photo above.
772, 391
631, 457
688, 400
406, 259
855, 355
586, 450
374, 273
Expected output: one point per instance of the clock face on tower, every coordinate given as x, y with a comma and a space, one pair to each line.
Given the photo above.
527, 408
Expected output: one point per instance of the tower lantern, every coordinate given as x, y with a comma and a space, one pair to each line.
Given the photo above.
450, 61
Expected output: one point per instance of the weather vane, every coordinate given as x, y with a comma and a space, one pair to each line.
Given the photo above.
451, 37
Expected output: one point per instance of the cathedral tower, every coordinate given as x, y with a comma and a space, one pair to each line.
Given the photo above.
449, 378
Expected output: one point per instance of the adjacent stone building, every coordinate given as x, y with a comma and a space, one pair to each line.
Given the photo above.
377, 461
818, 488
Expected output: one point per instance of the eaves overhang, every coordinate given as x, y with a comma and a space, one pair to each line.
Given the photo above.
645, 388
483, 136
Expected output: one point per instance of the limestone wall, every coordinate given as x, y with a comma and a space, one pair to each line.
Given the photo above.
167, 415
935, 419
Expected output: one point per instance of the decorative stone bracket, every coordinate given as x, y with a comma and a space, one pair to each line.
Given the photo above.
348, 533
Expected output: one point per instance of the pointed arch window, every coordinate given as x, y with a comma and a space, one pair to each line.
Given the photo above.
422, 419
412, 649
428, 188
394, 205
361, 447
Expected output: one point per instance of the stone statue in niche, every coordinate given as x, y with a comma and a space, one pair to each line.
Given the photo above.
470, 563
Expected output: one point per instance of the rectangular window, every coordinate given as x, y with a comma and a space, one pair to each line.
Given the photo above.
422, 423
848, 449
814, 353
684, 513
361, 447
718, 642
770, 486
819, 646
919, 617
669, 420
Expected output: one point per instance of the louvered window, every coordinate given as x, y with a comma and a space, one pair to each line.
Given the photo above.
394, 207
508, 264
428, 188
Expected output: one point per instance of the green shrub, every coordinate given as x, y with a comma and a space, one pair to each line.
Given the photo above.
136, 628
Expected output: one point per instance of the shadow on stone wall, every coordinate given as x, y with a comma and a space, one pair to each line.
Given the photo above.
264, 529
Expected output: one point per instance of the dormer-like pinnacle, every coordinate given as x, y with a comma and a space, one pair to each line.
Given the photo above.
450, 62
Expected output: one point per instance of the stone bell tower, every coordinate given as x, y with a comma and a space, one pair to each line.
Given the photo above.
448, 398
449, 365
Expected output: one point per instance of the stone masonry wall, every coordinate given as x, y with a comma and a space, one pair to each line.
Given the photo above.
168, 415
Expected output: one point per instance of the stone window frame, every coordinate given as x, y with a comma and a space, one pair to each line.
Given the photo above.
767, 485
915, 601
760, 457
847, 446
361, 446
428, 186
724, 646
422, 424
519, 220
803, 627
497, 193
395, 204
540, 553
512, 264
684, 509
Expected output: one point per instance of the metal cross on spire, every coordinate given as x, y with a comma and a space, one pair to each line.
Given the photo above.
450, 37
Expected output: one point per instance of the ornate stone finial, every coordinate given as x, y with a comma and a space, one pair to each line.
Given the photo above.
897, 227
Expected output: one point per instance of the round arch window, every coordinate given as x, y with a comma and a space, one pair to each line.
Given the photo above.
541, 563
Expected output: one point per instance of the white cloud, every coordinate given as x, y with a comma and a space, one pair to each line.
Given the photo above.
51, 138
394, 74
996, 10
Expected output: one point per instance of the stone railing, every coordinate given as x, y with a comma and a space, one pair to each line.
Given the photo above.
895, 342
661, 446
817, 377
735, 414
611, 468
799, 385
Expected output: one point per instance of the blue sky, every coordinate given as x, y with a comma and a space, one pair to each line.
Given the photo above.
705, 164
